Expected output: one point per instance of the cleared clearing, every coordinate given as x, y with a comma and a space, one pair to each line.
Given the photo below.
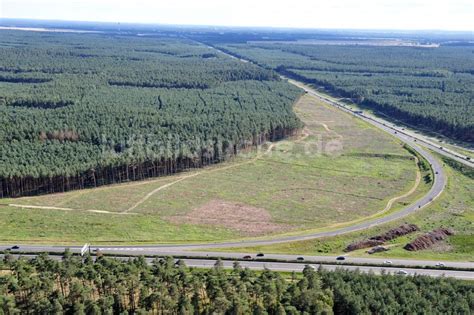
340, 169
249, 221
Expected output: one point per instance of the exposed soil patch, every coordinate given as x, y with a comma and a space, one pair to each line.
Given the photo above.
362, 244
248, 220
428, 240
403, 229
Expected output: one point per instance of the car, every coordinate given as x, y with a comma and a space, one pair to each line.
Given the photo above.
402, 272
247, 257
388, 262
300, 258
440, 264
260, 254
340, 258
15, 247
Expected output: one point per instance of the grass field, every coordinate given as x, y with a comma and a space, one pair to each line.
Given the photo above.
453, 209
340, 169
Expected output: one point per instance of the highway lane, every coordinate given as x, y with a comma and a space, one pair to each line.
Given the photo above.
178, 252
298, 267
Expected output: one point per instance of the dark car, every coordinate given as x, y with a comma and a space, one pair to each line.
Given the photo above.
260, 255
340, 258
247, 257
15, 247
300, 258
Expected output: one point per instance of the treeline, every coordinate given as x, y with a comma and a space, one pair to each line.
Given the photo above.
431, 88
120, 108
149, 162
74, 285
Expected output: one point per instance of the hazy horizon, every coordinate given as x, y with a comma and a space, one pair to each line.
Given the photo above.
404, 15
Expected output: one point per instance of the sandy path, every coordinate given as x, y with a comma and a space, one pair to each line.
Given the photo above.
331, 131
145, 198
408, 193
61, 208
304, 134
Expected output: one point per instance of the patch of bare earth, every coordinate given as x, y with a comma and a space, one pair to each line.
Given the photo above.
247, 220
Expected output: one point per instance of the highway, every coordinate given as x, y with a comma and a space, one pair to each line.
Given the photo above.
154, 250
298, 267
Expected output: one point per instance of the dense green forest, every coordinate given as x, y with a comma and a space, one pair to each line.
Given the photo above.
109, 286
431, 88
83, 110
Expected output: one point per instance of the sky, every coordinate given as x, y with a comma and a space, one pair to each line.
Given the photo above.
340, 14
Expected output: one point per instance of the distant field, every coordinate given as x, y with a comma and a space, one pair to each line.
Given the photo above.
454, 209
339, 169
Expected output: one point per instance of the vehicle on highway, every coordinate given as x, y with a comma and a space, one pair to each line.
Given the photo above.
340, 258
387, 262
260, 254
15, 247
247, 257
300, 258
402, 272
440, 264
